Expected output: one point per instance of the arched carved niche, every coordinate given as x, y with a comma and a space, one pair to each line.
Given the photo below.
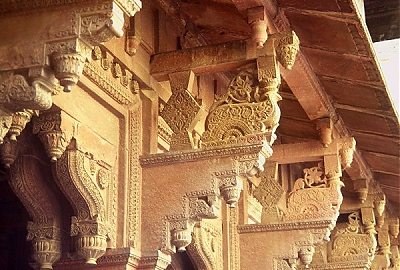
29, 184
205, 251
90, 187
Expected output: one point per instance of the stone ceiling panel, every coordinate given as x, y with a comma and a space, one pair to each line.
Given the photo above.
377, 144
369, 122
383, 163
323, 33
337, 65
349, 93
318, 5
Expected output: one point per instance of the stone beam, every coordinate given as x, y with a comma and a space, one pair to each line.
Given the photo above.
205, 59
313, 151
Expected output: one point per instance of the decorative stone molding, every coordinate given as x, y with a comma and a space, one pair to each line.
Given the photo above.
182, 110
351, 246
304, 216
205, 251
48, 128
197, 206
287, 47
184, 172
63, 48
98, 70
347, 149
134, 176
230, 186
122, 258
88, 185
360, 186
32, 189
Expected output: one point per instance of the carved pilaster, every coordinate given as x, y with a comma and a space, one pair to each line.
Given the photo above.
32, 189
87, 183
182, 110
49, 130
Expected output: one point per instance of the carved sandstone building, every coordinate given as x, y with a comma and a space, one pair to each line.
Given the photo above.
210, 135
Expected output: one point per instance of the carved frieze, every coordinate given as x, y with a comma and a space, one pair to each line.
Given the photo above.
116, 82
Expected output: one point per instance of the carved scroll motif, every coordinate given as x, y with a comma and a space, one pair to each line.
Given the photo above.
44, 231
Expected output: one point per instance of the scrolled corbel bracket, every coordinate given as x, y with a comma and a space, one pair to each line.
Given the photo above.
325, 129
253, 164
91, 222
306, 254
